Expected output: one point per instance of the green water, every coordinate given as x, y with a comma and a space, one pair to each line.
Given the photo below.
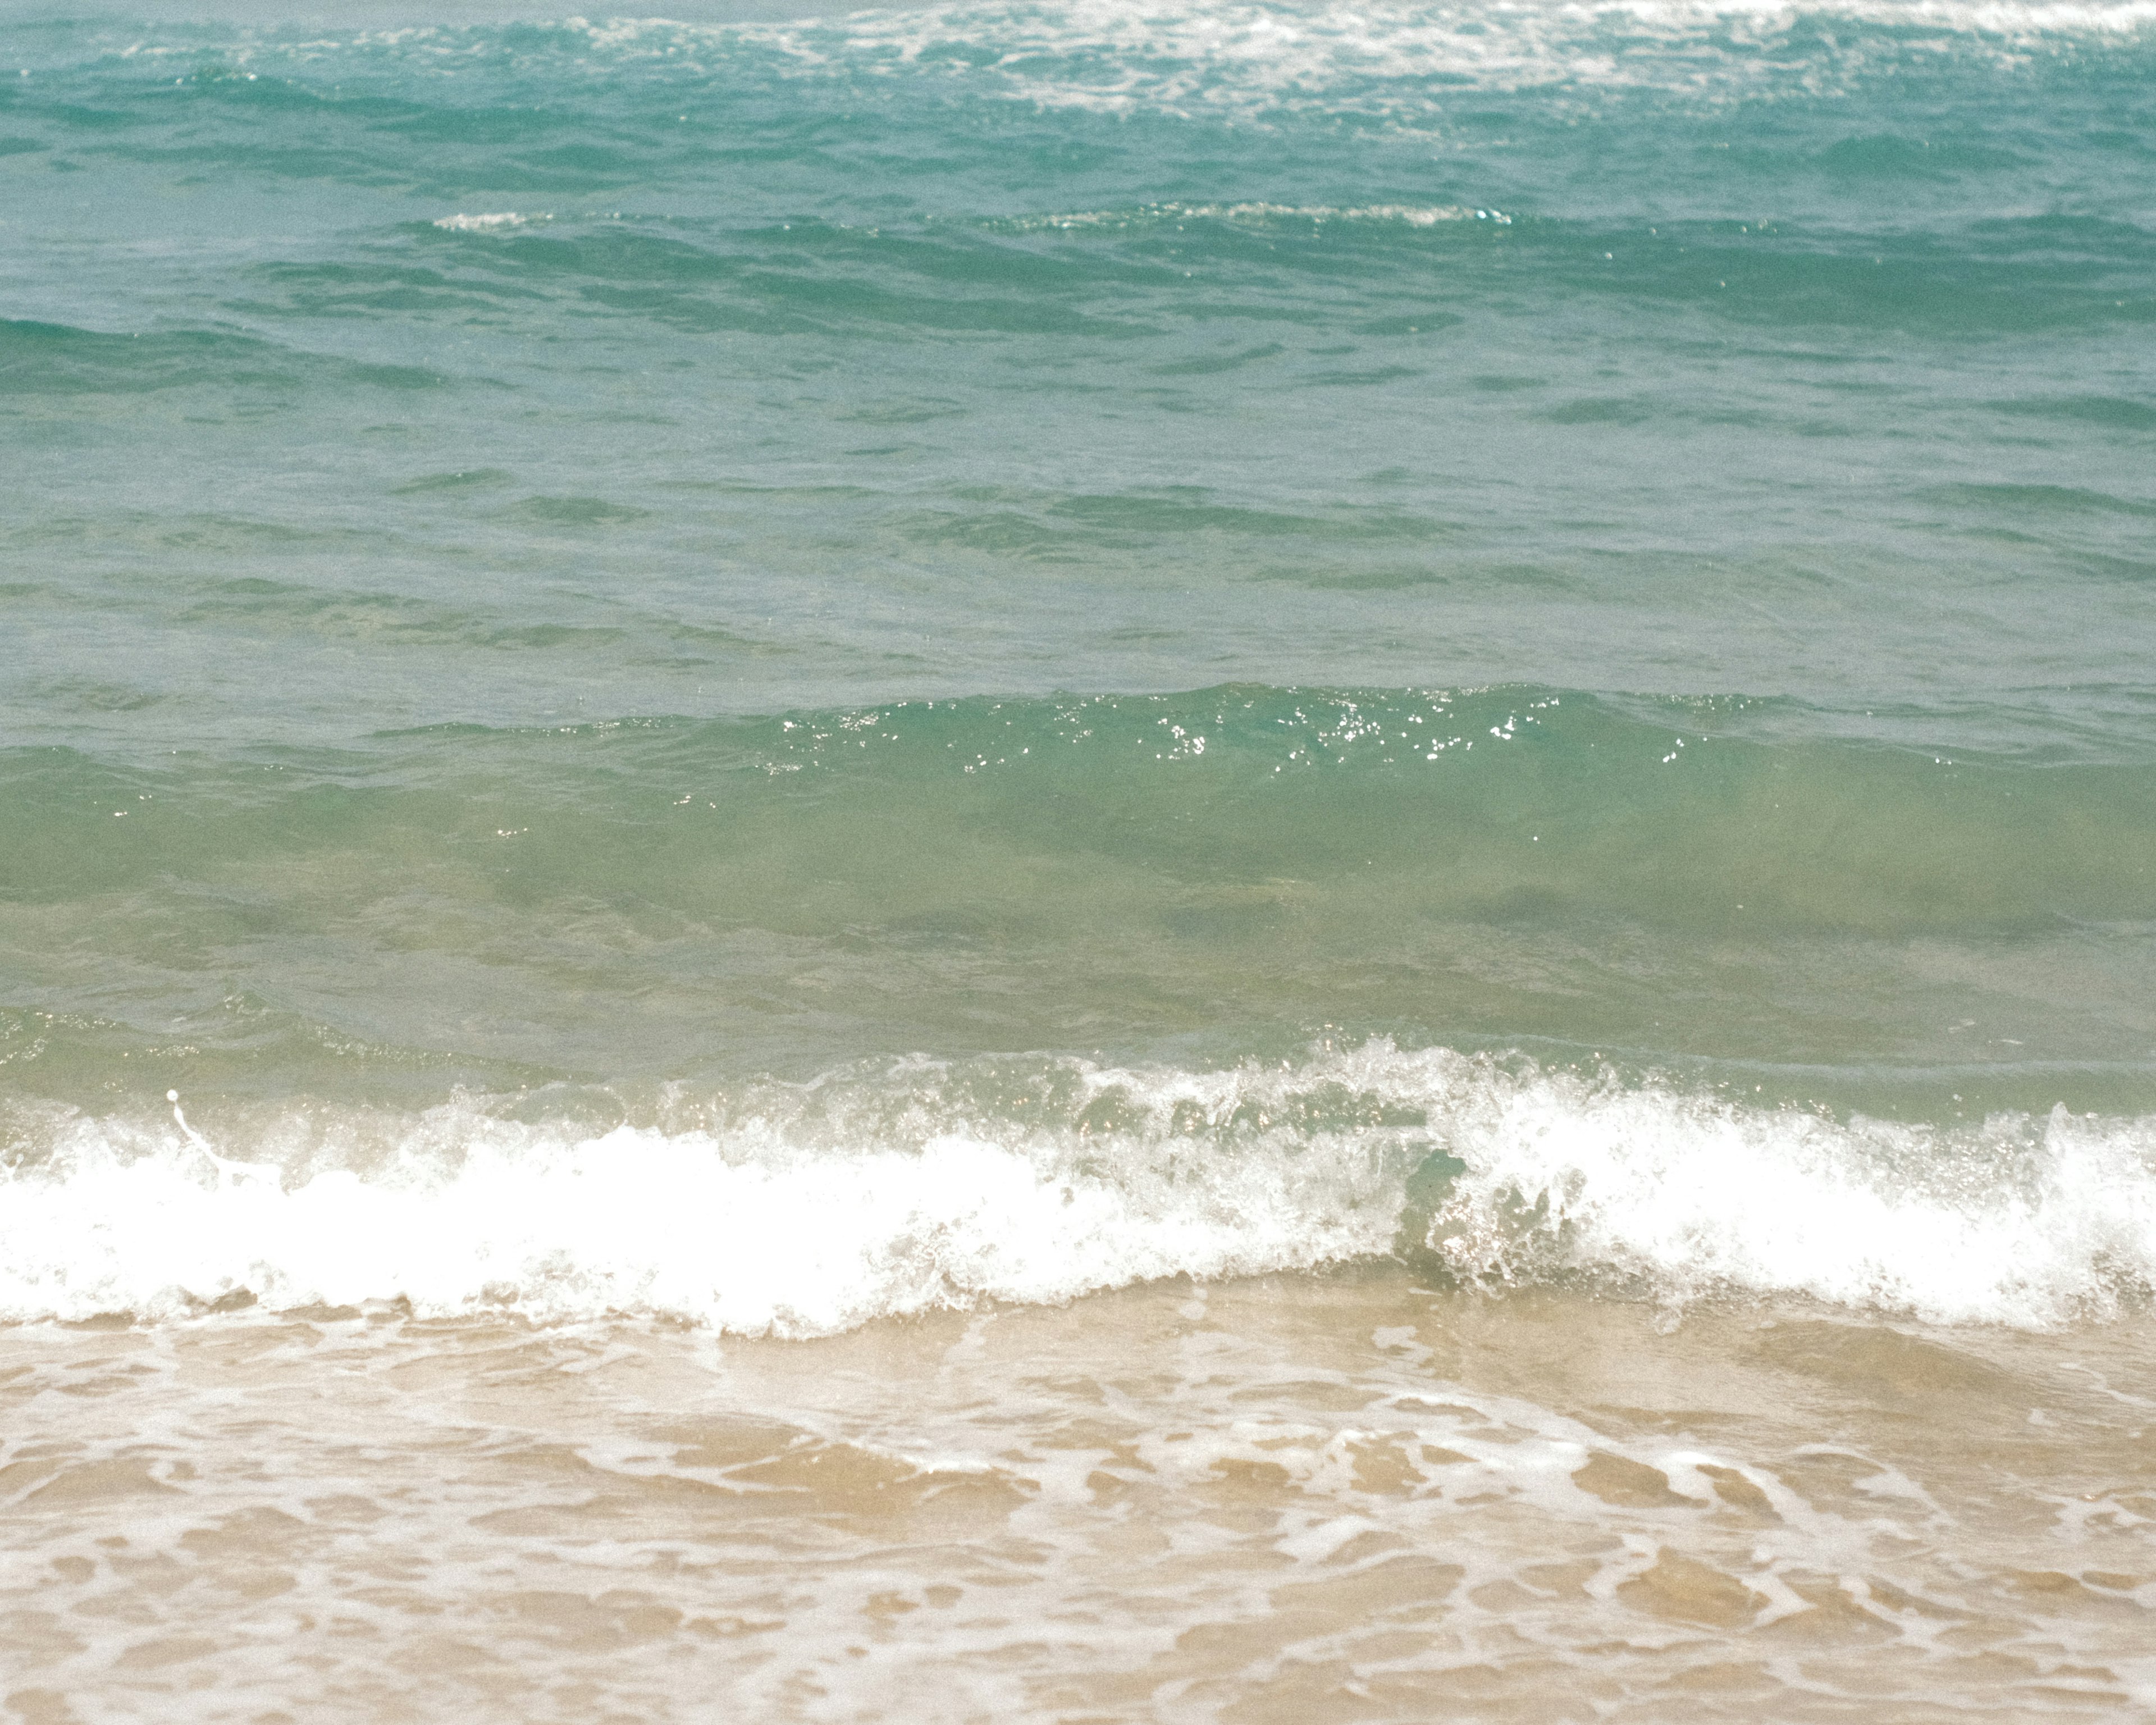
1218, 874
581, 571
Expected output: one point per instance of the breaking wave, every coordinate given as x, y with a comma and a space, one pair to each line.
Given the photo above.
801, 1209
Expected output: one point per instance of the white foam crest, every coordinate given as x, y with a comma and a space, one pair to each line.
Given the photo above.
2018, 1223
496, 221
1399, 65
1398, 62
743, 1231
803, 1210
1408, 215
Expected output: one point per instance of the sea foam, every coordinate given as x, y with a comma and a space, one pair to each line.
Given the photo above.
490, 222
784, 1214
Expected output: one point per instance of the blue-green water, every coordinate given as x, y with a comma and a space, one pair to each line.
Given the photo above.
1003, 562
1115, 860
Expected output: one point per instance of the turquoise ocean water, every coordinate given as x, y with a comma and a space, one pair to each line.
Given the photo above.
833, 580
1107, 862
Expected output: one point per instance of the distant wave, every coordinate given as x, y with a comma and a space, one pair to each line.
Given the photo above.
1402, 62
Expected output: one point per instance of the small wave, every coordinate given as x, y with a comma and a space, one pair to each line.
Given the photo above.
1406, 215
497, 222
798, 1210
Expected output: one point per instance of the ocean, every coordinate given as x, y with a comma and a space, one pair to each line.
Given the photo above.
1065, 862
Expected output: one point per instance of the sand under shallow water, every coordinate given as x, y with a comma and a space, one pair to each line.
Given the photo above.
1301, 1498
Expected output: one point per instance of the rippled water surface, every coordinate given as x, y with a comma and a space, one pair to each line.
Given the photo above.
1078, 861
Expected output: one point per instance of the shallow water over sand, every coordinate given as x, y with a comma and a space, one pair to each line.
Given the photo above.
1295, 1499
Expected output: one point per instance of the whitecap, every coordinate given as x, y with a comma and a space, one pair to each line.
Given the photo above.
496, 221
